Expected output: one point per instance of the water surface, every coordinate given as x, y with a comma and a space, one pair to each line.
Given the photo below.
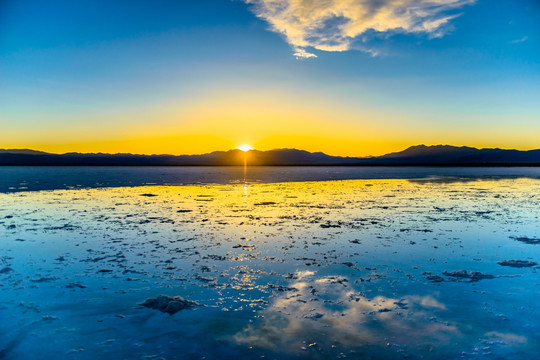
361, 269
30, 178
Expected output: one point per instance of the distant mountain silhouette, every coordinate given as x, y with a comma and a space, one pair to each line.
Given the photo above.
443, 155
22, 151
446, 154
442, 152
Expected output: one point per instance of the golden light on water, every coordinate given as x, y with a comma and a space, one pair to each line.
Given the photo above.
245, 147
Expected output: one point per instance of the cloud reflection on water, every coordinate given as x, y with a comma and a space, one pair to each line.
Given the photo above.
323, 313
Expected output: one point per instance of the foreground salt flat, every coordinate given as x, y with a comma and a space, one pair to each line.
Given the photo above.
355, 269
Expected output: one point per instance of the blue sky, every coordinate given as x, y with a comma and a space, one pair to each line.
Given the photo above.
197, 76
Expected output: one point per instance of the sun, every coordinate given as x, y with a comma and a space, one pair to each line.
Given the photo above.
245, 147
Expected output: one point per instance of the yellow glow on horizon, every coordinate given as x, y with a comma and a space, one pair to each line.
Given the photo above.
269, 119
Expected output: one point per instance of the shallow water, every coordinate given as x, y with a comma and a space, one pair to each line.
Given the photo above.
357, 269
32, 178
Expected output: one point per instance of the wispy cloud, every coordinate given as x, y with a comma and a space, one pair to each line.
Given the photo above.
334, 25
523, 39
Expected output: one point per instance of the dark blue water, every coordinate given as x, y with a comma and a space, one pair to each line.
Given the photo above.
28, 178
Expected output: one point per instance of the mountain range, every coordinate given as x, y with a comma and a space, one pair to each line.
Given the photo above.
437, 155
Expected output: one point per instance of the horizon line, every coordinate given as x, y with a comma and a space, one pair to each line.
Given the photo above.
7, 150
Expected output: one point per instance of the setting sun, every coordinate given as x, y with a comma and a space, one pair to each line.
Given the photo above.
245, 147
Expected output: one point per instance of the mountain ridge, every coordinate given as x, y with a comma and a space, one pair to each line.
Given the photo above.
443, 155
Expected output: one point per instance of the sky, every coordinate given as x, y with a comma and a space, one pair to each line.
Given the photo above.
346, 77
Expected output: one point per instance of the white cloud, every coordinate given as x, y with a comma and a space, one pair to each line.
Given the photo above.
303, 54
334, 25
523, 39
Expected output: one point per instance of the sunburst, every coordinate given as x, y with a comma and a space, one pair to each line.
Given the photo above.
245, 147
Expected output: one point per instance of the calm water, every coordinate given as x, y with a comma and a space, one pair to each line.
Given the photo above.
357, 269
25, 178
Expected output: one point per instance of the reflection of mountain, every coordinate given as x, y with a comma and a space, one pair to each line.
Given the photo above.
415, 155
